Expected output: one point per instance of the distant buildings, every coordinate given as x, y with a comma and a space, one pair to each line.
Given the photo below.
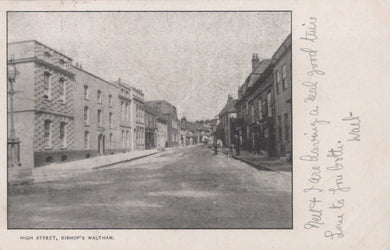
162, 132
168, 111
264, 104
151, 116
225, 121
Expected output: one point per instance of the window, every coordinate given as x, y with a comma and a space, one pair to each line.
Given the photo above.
99, 97
86, 115
62, 89
277, 76
123, 138
86, 139
47, 133
286, 127
63, 134
269, 104
260, 110
47, 85
266, 133
284, 76
111, 141
280, 128
127, 139
122, 110
127, 111
110, 119
85, 92
137, 113
99, 118
252, 113
110, 100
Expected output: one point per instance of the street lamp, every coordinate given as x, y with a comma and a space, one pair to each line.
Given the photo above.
13, 141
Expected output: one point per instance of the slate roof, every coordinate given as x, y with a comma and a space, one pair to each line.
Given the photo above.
151, 110
229, 108
259, 69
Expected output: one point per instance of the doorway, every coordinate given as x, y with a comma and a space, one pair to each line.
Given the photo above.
101, 144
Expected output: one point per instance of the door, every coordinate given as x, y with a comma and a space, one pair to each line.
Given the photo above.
101, 146
99, 143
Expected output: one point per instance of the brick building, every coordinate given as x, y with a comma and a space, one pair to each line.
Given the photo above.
264, 104
64, 113
99, 119
139, 122
283, 94
249, 109
125, 116
43, 106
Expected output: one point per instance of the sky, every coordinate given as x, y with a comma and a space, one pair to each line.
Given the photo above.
190, 59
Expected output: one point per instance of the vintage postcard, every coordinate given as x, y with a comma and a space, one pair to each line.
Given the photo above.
187, 126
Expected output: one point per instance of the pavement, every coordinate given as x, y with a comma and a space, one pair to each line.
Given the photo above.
187, 187
259, 162
58, 171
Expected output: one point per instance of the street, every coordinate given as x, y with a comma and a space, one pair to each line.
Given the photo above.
187, 187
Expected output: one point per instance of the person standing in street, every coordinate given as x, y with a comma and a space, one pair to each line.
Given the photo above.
237, 143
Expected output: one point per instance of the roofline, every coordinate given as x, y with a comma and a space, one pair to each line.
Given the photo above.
283, 44
160, 101
95, 76
29, 41
122, 84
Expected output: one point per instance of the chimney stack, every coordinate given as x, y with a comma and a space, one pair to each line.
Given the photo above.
230, 98
255, 61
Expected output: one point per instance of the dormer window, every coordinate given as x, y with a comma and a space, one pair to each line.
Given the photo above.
62, 62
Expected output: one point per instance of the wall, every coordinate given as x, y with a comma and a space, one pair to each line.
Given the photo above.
94, 84
283, 99
139, 133
24, 130
162, 134
33, 106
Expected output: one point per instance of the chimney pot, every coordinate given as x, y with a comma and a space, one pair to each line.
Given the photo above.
255, 61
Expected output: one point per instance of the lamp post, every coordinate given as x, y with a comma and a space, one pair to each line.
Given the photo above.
13, 141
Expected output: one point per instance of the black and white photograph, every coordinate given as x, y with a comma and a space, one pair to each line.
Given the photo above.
149, 120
